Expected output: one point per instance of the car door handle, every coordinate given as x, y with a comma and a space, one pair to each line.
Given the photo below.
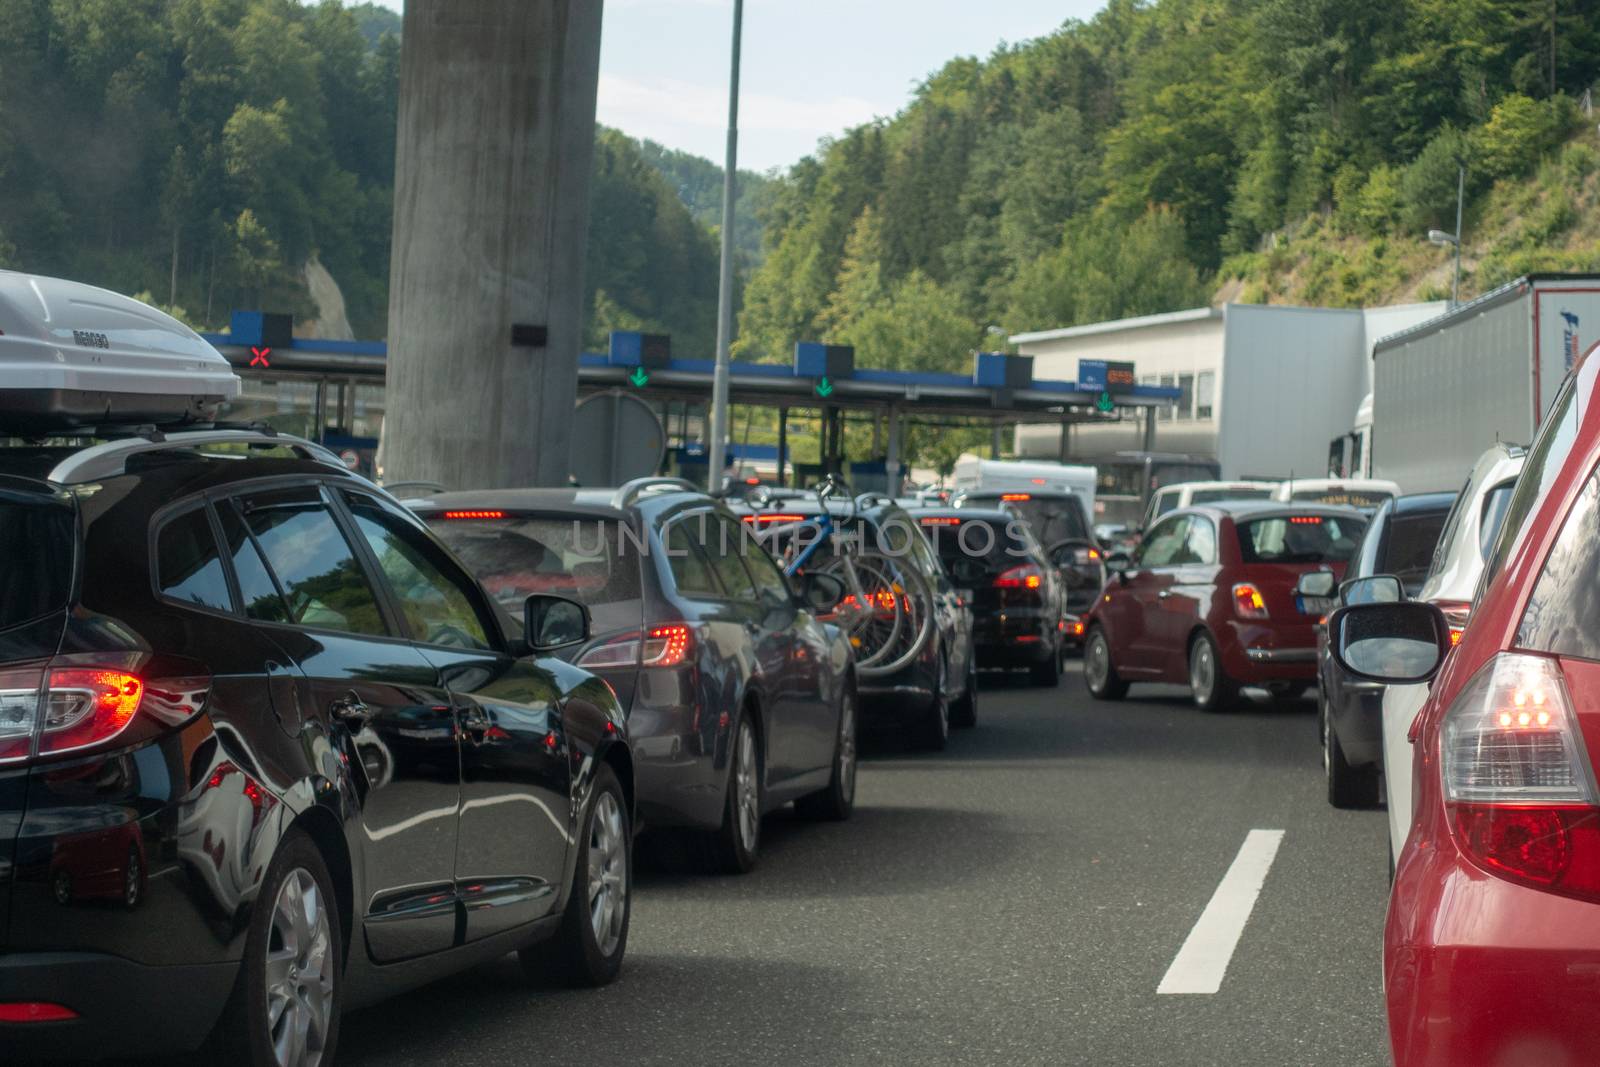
351, 710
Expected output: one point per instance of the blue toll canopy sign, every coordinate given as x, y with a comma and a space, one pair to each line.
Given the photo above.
1103, 376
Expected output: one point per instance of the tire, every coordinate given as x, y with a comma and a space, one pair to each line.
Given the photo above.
1099, 673
1047, 675
587, 949
964, 712
835, 803
1209, 684
732, 847
1348, 787
294, 930
932, 732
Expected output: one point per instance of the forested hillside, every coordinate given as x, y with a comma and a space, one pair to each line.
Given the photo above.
200, 151
1140, 162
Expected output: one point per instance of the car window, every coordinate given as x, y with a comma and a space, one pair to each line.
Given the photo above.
1443, 549
588, 560
1545, 460
40, 531
1299, 539
436, 605
723, 542
1563, 613
1204, 496
1409, 549
189, 564
258, 593
1495, 504
1054, 520
1165, 542
1200, 543
771, 583
1164, 503
1341, 497
315, 566
691, 571
988, 541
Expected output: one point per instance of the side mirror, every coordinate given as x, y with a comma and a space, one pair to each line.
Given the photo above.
821, 592
1379, 589
1317, 584
553, 622
1393, 643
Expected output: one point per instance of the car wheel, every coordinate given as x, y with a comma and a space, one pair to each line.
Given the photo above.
1209, 683
964, 712
284, 1011
731, 848
933, 733
1348, 787
836, 802
588, 948
1099, 673
1048, 673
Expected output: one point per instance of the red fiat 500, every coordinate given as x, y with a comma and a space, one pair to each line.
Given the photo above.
1209, 599
1492, 947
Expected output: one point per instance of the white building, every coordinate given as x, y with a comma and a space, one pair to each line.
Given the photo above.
1265, 387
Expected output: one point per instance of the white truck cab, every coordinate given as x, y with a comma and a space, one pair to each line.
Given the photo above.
1170, 497
1368, 494
1026, 477
73, 355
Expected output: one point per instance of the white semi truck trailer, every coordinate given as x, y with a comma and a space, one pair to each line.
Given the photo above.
1486, 371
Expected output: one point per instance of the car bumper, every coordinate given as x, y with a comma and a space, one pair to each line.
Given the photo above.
123, 1006
1015, 641
676, 778
1256, 654
1478, 970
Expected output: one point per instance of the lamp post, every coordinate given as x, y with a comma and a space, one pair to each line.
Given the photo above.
716, 453
1442, 239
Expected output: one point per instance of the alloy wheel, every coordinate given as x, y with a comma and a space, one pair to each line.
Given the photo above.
1202, 671
299, 963
847, 748
747, 794
1097, 662
608, 874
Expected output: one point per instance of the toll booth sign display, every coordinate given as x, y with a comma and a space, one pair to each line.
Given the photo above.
813, 360
652, 351
1103, 376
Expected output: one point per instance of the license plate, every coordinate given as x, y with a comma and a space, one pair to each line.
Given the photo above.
1314, 605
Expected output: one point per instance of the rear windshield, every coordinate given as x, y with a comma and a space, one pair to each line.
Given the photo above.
588, 560
1206, 496
1412, 540
37, 543
1300, 539
1337, 497
1054, 521
985, 540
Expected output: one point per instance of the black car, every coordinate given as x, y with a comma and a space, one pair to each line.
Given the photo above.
1400, 541
1018, 599
938, 688
267, 752
1059, 522
738, 698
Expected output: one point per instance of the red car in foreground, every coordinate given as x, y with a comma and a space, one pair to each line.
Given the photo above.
1492, 945
1209, 600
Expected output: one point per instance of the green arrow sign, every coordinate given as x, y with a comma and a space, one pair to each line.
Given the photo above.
824, 387
1104, 403
640, 377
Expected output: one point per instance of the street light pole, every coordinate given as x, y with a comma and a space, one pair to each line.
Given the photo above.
717, 452
1461, 196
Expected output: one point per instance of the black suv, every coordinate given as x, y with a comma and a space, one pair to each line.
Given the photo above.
1059, 522
738, 698
1018, 600
268, 752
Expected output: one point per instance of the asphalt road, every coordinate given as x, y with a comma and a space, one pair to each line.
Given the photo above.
1014, 900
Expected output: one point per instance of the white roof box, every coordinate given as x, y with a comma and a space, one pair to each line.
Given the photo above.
72, 355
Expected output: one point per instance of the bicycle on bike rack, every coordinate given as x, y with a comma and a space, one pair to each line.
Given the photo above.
888, 608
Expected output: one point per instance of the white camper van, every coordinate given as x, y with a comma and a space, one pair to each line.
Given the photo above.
1026, 477
75, 355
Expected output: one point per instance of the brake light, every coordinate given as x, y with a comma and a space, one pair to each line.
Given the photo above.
1457, 613
1306, 520
1016, 498
1038, 481
1094, 553
941, 522
34, 1011
1516, 778
70, 707
474, 514
663, 646
1027, 576
774, 518
1248, 602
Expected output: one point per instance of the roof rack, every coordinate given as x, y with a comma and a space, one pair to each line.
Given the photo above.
867, 500
633, 490
110, 459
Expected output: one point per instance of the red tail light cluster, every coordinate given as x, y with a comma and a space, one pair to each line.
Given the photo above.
1248, 603
69, 708
477, 514
1456, 613
1027, 576
662, 646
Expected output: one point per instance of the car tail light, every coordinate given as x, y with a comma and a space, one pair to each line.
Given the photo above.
1456, 613
663, 646
1516, 778
34, 1011
1027, 576
69, 707
1016, 498
475, 514
1248, 603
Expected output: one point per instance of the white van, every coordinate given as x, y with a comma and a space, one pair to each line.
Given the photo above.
1367, 494
72, 355
1026, 477
1171, 497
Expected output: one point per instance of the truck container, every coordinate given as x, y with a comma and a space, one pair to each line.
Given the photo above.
974, 473
1446, 390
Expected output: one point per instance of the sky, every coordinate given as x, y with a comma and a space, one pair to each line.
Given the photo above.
811, 68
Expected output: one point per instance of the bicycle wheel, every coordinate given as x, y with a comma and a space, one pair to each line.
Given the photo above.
889, 582
872, 614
